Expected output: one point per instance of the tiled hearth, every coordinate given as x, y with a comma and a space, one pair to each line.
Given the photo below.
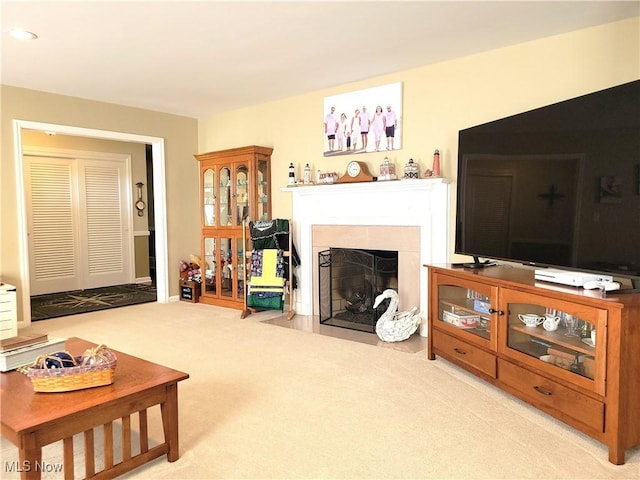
408, 216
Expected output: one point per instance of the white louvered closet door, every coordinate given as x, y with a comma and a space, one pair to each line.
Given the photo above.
52, 224
77, 224
103, 223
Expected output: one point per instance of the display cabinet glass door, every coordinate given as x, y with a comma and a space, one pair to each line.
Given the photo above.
241, 265
226, 255
224, 271
560, 337
263, 188
463, 307
232, 267
225, 206
210, 277
243, 187
209, 198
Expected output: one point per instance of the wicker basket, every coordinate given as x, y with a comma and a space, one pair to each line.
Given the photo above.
98, 369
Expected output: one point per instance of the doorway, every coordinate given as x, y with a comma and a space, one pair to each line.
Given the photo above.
151, 210
159, 196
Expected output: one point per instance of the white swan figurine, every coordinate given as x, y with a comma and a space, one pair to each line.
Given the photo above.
392, 326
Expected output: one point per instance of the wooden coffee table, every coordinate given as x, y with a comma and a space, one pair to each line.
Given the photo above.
31, 420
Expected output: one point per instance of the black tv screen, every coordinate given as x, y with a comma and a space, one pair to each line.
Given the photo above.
558, 186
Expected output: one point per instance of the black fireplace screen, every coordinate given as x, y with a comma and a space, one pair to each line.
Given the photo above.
349, 282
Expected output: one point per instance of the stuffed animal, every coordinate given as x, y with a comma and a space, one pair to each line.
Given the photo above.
189, 270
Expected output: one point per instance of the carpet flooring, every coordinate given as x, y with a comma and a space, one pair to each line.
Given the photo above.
83, 301
264, 402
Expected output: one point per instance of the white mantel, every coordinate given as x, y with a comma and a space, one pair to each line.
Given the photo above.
423, 203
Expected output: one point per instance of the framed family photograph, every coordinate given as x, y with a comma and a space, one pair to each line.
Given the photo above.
368, 120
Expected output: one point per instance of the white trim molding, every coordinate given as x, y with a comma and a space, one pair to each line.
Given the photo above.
160, 198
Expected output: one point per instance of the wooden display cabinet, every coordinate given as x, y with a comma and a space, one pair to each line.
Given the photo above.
475, 322
235, 184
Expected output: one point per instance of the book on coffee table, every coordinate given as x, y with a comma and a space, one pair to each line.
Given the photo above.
23, 340
19, 357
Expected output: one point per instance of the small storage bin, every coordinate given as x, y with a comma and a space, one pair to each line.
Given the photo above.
460, 318
189, 291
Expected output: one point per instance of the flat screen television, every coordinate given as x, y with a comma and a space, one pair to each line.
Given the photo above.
558, 186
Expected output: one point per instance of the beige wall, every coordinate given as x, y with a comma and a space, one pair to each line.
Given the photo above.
438, 100
180, 142
141, 247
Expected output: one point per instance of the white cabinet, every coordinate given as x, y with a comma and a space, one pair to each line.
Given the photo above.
8, 312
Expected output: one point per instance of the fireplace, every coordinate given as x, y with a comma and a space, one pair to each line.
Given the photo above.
407, 216
349, 280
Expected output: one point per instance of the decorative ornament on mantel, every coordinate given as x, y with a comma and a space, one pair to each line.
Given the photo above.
436, 163
435, 172
356, 172
411, 169
307, 175
292, 174
387, 170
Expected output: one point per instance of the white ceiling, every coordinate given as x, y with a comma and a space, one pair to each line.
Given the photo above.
201, 58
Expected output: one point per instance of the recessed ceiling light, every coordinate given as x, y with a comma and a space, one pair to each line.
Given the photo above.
23, 34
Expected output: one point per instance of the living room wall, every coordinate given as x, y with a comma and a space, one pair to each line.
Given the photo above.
438, 100
180, 143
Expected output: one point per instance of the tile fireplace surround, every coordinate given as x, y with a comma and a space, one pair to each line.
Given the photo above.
410, 216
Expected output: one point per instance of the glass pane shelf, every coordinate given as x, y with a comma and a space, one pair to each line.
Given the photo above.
463, 304
558, 338
568, 347
460, 313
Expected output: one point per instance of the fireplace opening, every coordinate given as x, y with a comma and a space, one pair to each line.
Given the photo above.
349, 282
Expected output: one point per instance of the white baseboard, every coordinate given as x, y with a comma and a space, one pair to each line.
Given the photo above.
143, 280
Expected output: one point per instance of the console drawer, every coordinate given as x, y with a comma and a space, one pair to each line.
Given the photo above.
458, 350
8, 321
542, 392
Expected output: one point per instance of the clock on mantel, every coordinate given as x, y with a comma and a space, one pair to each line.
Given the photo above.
356, 172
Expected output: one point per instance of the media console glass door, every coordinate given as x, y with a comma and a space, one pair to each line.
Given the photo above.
562, 338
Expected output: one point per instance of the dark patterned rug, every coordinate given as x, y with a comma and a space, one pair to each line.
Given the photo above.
82, 301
